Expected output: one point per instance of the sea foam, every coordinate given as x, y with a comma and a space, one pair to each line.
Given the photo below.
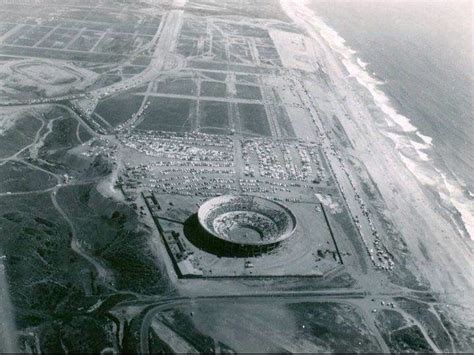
406, 137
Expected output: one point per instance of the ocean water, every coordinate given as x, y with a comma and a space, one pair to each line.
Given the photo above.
416, 58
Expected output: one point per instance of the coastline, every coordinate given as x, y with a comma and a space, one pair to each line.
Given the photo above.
396, 155
415, 148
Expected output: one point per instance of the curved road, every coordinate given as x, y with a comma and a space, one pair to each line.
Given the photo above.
102, 272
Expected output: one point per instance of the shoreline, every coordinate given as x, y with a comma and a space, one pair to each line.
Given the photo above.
421, 220
415, 148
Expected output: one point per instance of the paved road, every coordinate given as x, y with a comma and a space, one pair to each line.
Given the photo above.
290, 296
102, 272
351, 195
361, 300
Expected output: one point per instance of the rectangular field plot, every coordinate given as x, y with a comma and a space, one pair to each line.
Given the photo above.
269, 56
206, 65
242, 30
253, 119
15, 30
119, 108
246, 79
18, 33
25, 41
241, 53
213, 76
219, 51
178, 86
133, 69
59, 39
86, 41
90, 26
286, 128
169, 114
37, 33
149, 31
187, 47
213, 89
248, 92
213, 114
115, 43
121, 43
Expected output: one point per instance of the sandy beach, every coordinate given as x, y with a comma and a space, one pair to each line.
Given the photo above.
437, 248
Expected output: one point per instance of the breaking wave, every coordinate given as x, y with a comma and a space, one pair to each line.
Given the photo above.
415, 149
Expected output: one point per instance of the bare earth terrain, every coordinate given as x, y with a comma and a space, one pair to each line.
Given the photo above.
120, 120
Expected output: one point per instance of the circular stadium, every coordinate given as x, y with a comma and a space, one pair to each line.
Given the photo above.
246, 221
